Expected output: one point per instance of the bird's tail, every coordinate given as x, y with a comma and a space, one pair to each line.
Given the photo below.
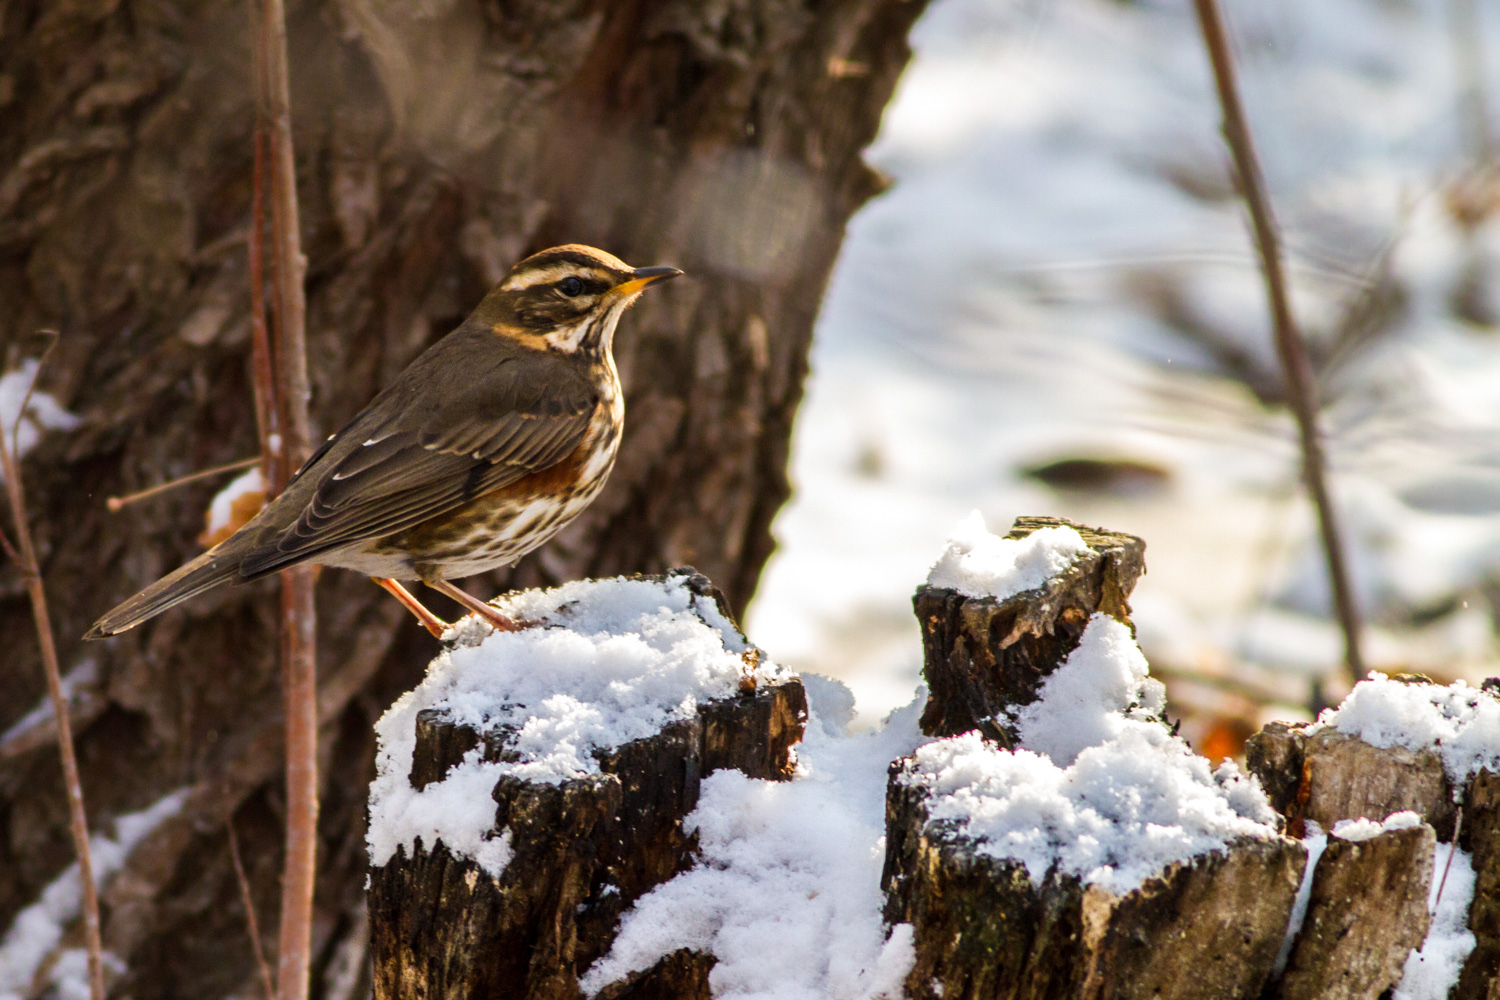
210, 569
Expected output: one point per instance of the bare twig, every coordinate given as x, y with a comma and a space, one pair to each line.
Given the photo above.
115, 503
1458, 827
24, 552
251, 920
1289, 346
288, 446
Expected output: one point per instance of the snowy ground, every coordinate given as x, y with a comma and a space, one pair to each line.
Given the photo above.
1060, 272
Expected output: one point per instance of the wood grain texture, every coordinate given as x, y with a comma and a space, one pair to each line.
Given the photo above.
982, 656
1202, 930
436, 145
584, 851
1366, 911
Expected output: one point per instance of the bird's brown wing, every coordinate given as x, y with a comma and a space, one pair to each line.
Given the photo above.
421, 450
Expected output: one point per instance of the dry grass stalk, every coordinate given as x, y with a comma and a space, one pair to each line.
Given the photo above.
252, 922
23, 553
115, 503
1290, 348
282, 410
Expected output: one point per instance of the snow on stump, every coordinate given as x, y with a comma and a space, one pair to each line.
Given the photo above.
1401, 744
997, 617
1125, 868
535, 784
1069, 844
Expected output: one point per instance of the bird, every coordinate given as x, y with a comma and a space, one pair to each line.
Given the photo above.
486, 446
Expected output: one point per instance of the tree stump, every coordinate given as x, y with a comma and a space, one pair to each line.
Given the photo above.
981, 655
580, 852
1326, 776
1480, 836
1208, 929
1366, 911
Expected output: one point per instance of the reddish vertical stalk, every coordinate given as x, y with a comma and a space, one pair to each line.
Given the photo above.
1289, 346
288, 446
24, 554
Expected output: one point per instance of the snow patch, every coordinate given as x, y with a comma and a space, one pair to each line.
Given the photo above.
1101, 789
1433, 970
981, 564
1458, 722
1089, 700
221, 508
38, 929
797, 863
1368, 829
609, 661
1119, 814
43, 412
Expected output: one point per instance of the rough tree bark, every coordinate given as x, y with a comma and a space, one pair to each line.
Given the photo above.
437, 143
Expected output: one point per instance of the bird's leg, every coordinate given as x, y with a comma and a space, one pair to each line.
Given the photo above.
432, 622
474, 604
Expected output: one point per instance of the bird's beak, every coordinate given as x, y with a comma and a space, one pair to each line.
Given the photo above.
643, 276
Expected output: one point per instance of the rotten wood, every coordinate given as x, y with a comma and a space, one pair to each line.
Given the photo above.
584, 850
1480, 978
983, 930
981, 656
1366, 911
1327, 777
682, 975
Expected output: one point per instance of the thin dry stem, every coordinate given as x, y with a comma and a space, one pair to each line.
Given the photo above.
115, 503
252, 922
1458, 828
1289, 346
25, 554
288, 446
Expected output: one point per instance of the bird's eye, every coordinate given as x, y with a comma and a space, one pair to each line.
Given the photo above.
570, 287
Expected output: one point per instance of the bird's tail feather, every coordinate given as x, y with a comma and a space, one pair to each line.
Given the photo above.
209, 570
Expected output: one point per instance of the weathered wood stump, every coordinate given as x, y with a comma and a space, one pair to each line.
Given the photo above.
1366, 911
1206, 927
1480, 836
1317, 774
981, 655
1204, 930
1327, 777
580, 852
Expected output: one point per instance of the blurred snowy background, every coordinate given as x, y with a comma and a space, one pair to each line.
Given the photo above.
1055, 309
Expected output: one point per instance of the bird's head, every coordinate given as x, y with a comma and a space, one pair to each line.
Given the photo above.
568, 298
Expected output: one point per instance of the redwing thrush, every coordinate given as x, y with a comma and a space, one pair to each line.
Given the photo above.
485, 447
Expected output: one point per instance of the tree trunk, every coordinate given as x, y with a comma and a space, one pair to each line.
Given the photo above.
436, 144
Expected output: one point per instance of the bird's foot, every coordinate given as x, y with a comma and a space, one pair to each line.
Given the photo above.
499, 622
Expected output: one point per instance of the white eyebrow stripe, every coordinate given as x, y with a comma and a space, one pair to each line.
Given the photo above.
557, 272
